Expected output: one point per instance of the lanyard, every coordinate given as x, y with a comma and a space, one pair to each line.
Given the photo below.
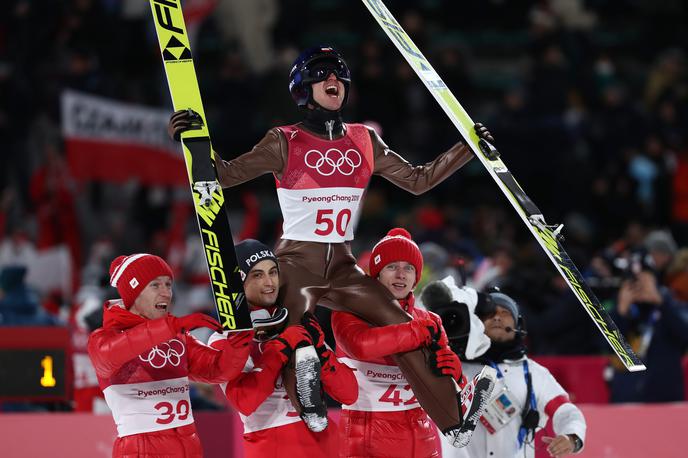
495, 367
530, 394
523, 431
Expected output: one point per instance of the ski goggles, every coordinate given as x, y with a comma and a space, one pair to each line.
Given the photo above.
321, 69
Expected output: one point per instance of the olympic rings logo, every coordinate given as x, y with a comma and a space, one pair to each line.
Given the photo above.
333, 161
171, 352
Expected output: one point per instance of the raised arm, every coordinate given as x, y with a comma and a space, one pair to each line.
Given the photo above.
268, 156
210, 365
421, 178
109, 348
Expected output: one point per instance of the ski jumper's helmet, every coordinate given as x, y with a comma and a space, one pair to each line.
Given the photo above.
312, 66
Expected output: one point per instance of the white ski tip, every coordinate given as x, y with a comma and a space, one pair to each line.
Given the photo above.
637, 368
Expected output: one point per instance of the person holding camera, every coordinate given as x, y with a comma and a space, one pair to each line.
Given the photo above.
525, 394
650, 318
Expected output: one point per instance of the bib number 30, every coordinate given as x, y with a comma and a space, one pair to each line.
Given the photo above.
168, 411
328, 222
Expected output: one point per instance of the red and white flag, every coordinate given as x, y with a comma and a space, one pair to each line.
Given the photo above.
113, 141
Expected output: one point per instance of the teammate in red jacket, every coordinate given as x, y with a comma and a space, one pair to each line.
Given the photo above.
272, 427
144, 360
387, 420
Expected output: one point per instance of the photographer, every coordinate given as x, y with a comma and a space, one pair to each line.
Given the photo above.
525, 394
650, 319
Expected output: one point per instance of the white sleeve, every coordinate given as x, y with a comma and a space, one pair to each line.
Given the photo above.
552, 400
478, 343
568, 419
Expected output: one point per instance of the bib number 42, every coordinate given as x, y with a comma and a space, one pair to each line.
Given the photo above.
328, 222
393, 395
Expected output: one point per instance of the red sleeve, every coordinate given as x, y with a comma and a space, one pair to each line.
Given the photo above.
109, 349
338, 379
360, 340
212, 364
250, 389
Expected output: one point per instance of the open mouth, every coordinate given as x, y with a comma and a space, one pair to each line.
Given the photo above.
161, 306
332, 90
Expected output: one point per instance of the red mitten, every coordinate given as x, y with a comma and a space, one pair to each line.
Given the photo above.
193, 321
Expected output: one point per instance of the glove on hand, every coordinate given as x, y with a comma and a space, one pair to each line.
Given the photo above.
292, 338
236, 351
442, 338
181, 121
311, 324
443, 361
425, 330
193, 321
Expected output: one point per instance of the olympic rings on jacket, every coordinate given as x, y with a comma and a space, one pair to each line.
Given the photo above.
158, 357
332, 161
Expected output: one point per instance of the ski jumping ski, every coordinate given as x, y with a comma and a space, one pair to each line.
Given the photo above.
209, 201
548, 236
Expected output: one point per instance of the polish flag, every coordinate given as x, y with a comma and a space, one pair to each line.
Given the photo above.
108, 140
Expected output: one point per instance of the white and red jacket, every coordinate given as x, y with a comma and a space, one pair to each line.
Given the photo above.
272, 427
144, 367
386, 420
551, 400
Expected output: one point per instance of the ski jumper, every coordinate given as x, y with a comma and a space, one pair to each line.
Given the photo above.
320, 184
144, 367
551, 402
386, 419
272, 427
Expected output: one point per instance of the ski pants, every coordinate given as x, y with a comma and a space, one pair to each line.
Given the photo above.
313, 273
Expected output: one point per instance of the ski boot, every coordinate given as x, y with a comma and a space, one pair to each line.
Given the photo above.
473, 398
307, 372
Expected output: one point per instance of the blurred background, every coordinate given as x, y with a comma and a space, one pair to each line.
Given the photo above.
587, 101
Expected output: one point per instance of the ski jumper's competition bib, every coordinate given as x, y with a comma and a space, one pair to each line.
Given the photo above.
381, 388
276, 410
323, 182
151, 392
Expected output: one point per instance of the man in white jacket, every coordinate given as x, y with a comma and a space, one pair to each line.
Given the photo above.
525, 396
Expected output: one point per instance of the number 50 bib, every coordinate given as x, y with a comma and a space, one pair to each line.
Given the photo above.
323, 183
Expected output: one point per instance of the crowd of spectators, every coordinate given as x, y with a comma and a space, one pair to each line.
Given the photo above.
587, 101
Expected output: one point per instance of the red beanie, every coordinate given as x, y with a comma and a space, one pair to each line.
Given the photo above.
397, 245
130, 274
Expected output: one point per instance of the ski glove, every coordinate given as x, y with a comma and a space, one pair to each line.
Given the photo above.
236, 352
193, 321
291, 338
483, 132
425, 330
181, 121
443, 361
442, 337
311, 324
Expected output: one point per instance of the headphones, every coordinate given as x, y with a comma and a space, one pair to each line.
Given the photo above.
493, 297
